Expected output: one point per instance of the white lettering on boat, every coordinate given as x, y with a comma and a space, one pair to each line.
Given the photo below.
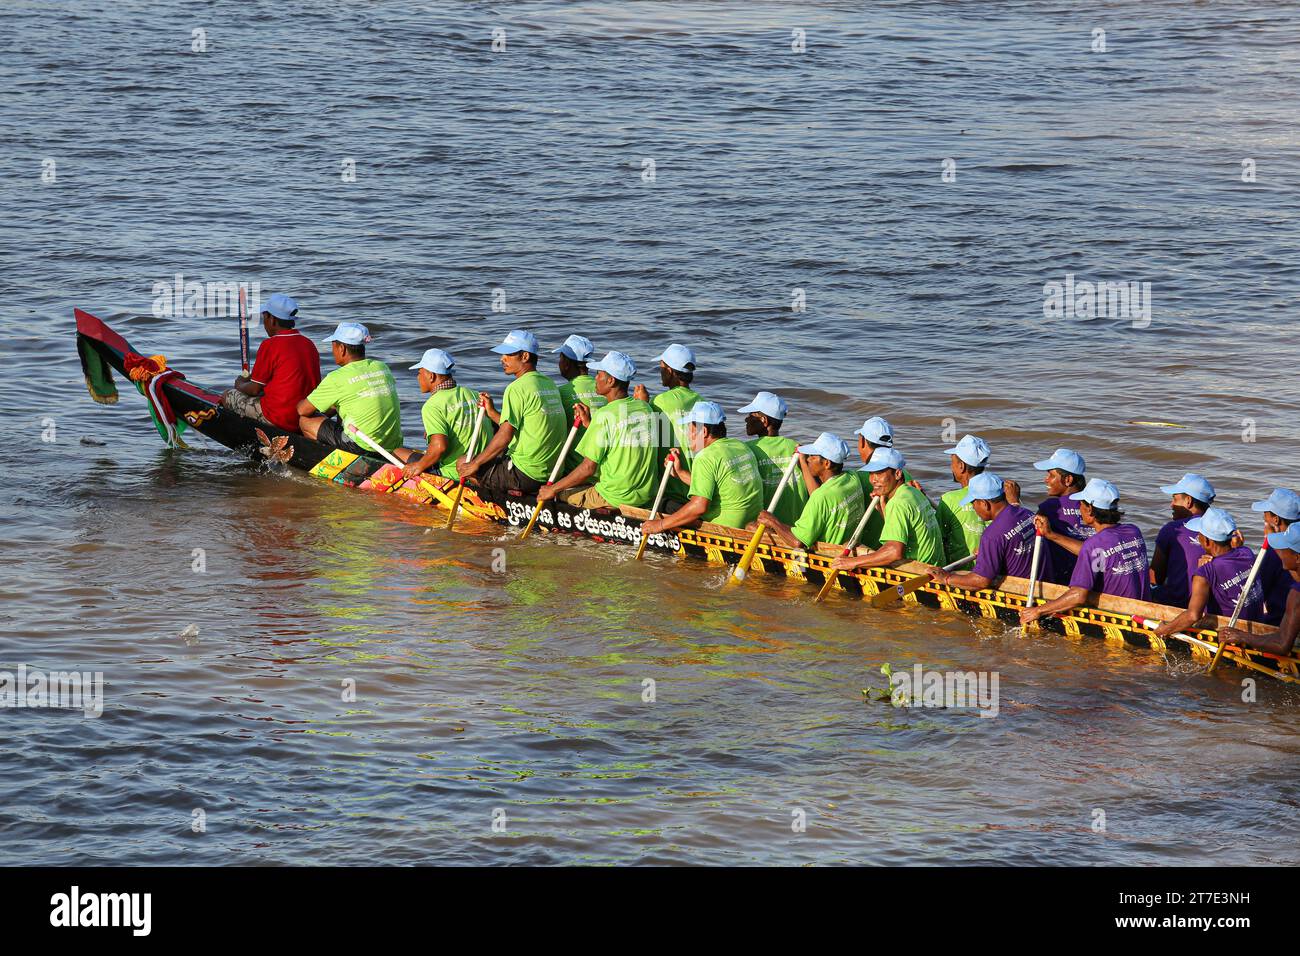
617, 528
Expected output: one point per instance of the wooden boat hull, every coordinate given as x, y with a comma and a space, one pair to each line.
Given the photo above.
1104, 617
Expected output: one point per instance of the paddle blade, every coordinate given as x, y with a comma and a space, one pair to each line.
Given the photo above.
1218, 655
892, 595
742, 566
531, 521
455, 505
831, 575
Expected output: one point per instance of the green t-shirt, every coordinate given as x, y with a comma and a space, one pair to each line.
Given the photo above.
621, 443
727, 474
961, 526
832, 512
451, 413
365, 395
910, 518
871, 533
673, 404
773, 454
580, 389
532, 405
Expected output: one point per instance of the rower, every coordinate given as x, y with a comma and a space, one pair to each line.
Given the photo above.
723, 482
531, 426
1216, 585
833, 509
1280, 508
676, 372
361, 390
1064, 478
286, 369
958, 520
448, 417
1286, 545
578, 385
618, 445
764, 417
877, 433
1178, 550
1006, 547
1111, 560
874, 433
910, 529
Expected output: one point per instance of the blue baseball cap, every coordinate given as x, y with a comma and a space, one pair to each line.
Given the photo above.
1099, 492
1216, 524
436, 361
877, 431
1289, 539
678, 357
1283, 502
281, 306
517, 341
769, 404
576, 347
1193, 485
983, 487
828, 446
1064, 460
705, 413
617, 364
350, 333
974, 451
883, 459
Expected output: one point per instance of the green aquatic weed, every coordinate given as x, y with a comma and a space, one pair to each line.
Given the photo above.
896, 696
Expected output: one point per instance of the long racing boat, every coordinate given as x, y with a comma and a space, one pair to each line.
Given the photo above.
177, 405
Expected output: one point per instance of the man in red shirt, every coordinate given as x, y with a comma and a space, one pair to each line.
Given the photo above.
286, 370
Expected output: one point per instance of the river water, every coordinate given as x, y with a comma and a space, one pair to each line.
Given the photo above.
230, 608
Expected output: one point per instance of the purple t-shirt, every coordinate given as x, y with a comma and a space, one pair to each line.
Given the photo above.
1114, 561
1182, 552
1227, 575
1277, 584
1007, 547
1063, 517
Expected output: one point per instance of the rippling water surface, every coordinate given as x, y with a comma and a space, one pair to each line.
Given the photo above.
480, 690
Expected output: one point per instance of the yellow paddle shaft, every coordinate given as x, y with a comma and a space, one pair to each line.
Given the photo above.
473, 444
831, 574
1241, 600
659, 500
742, 566
889, 595
555, 473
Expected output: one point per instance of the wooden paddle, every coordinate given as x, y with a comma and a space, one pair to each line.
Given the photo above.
1150, 624
1240, 660
742, 566
659, 499
1031, 596
890, 595
555, 473
473, 444
1241, 600
243, 330
427, 486
831, 573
